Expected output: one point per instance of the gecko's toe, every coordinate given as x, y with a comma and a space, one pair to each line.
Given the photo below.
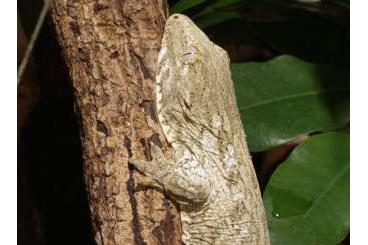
156, 152
138, 164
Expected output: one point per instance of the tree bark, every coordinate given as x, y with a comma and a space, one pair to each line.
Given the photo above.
110, 48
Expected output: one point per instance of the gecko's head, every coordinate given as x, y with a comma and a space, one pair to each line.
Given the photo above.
187, 61
186, 42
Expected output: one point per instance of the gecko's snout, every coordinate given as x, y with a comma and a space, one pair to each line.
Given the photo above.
178, 16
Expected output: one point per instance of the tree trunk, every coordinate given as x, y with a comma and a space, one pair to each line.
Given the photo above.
110, 48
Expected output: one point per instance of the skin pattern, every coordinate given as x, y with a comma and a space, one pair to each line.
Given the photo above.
210, 173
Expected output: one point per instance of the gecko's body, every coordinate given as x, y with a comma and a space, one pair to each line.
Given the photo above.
210, 174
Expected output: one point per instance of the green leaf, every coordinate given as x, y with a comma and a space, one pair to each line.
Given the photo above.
183, 5
342, 3
215, 18
285, 97
216, 5
224, 3
307, 197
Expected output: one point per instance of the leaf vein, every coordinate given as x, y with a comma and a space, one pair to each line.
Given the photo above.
304, 94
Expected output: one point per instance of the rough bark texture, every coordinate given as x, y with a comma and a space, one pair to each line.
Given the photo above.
111, 48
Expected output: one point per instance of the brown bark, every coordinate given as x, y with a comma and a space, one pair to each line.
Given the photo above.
111, 48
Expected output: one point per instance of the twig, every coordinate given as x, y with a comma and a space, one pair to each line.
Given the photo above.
32, 41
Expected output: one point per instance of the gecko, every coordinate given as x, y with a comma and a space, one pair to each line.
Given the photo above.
210, 174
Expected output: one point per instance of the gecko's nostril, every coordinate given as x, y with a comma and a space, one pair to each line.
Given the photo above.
175, 17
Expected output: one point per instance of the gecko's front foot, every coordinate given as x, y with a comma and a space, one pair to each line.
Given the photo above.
186, 185
150, 168
153, 169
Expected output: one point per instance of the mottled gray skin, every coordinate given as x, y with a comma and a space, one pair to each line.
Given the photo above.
210, 173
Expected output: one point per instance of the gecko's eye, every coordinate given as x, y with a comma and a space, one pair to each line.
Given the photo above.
189, 55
